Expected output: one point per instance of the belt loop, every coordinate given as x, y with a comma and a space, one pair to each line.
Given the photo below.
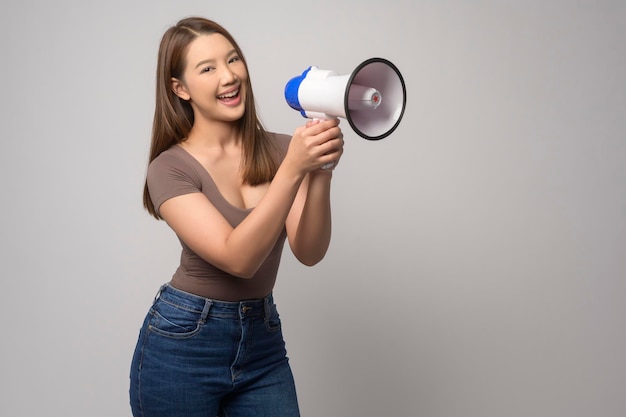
158, 294
267, 305
205, 311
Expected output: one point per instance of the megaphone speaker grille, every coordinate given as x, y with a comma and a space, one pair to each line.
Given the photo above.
379, 122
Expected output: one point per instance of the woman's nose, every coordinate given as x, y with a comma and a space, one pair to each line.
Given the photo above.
228, 76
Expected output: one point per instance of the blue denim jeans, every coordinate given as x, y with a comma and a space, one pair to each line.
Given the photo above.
197, 357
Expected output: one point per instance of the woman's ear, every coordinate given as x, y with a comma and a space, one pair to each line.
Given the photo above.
179, 89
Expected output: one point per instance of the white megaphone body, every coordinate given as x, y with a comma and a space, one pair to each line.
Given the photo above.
372, 98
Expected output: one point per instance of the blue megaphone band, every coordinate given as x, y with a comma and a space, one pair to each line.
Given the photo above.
291, 91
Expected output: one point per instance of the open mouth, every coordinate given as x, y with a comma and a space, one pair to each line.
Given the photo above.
229, 97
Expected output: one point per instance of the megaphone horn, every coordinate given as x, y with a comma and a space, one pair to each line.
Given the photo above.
372, 98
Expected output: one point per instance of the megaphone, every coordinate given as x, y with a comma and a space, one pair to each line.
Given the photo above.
372, 98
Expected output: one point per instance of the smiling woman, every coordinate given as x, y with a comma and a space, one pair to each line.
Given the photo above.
211, 343
219, 80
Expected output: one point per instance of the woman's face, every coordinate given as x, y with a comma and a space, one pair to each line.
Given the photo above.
214, 79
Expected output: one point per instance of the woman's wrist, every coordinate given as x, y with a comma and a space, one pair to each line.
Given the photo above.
321, 174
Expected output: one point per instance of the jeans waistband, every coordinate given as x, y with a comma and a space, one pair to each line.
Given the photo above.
197, 303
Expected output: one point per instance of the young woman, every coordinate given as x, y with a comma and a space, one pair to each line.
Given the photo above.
211, 344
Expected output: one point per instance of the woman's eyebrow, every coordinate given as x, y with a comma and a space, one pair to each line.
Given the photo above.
206, 61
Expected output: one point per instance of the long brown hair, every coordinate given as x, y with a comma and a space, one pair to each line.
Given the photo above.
174, 117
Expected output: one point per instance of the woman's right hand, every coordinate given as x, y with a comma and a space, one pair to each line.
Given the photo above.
314, 145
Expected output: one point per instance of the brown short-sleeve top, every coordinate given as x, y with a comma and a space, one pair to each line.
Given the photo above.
175, 172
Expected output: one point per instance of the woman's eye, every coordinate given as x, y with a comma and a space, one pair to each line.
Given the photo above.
234, 59
207, 69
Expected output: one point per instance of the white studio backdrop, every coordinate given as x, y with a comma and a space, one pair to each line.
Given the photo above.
478, 261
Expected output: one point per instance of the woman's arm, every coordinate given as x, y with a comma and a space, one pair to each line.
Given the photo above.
240, 251
309, 223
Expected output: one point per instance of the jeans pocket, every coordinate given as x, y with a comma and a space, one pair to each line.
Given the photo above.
173, 321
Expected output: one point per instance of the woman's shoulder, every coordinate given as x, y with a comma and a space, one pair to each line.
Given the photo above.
172, 154
171, 174
173, 161
174, 157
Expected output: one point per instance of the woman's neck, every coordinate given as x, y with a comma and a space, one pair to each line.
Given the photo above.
213, 134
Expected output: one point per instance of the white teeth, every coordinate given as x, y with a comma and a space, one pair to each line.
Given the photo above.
229, 95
